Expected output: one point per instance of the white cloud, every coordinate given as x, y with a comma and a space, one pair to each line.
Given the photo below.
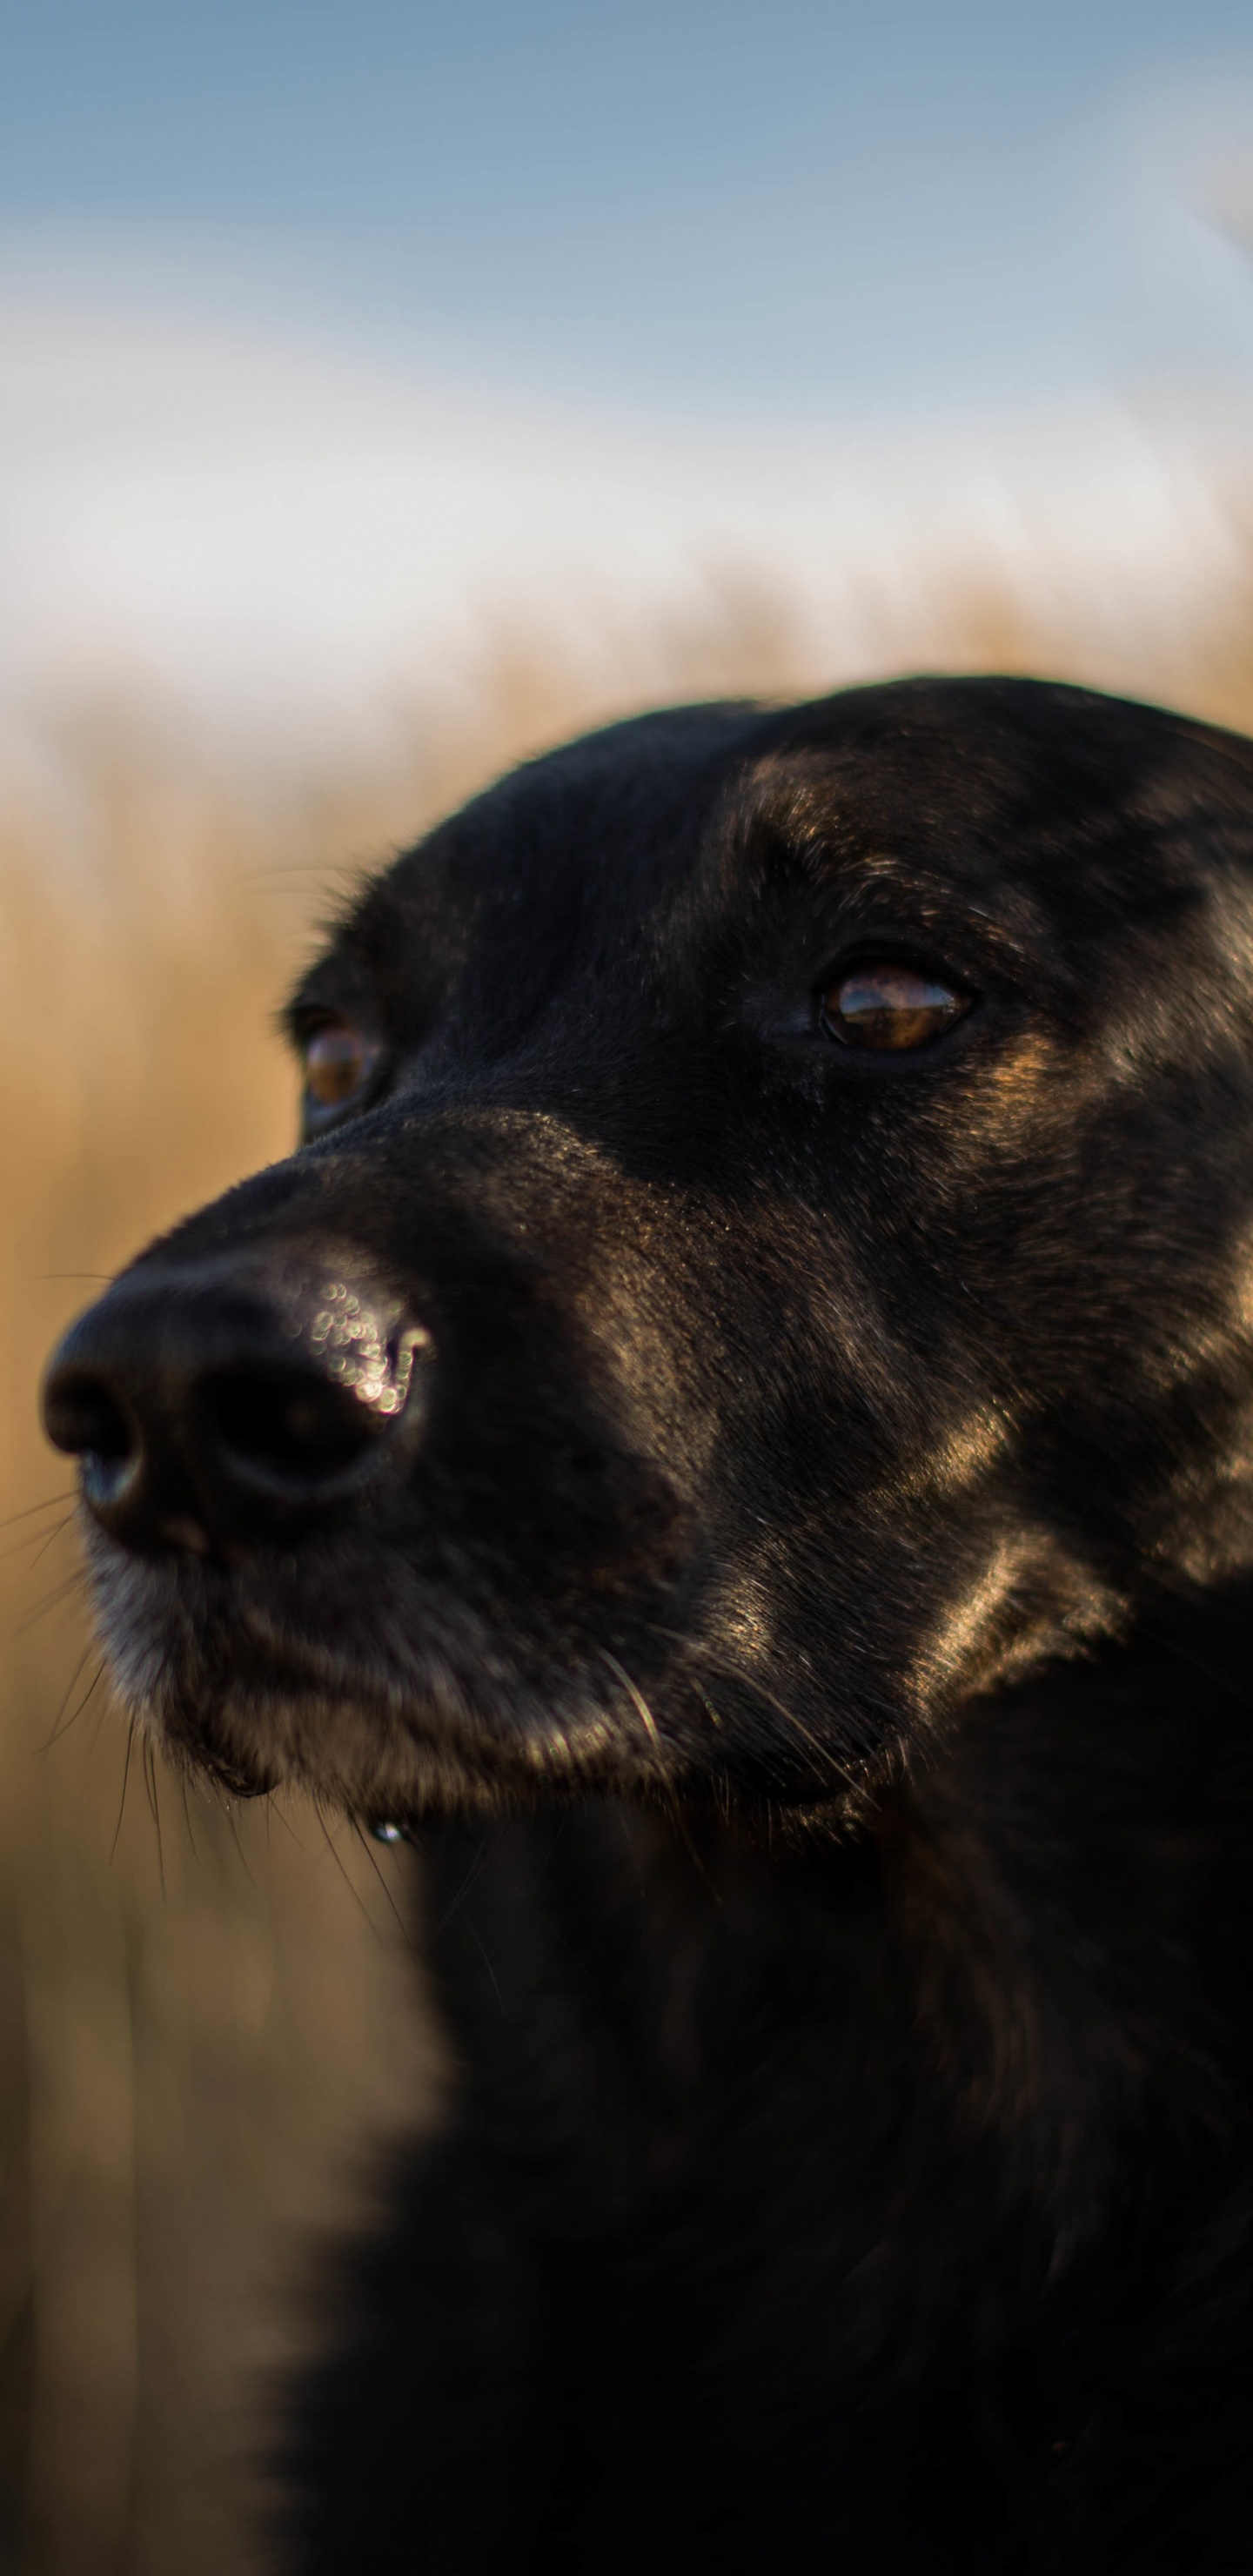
282, 530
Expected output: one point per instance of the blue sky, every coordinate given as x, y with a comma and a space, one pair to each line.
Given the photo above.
763, 205
336, 340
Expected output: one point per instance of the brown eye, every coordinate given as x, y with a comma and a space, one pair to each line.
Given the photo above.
880, 1004
338, 1062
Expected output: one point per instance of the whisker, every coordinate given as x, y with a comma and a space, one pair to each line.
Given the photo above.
473, 1874
50, 1539
373, 1859
63, 1723
277, 1814
65, 1695
337, 1857
673, 1802
69, 1496
126, 1773
490, 1969
839, 1767
229, 1813
191, 1831
76, 1582
637, 1699
40, 1539
102, 1715
154, 1804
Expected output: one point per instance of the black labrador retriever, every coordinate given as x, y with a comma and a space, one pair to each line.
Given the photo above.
736, 1430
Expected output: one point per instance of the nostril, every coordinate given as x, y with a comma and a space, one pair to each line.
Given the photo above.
85, 1420
287, 1427
211, 1405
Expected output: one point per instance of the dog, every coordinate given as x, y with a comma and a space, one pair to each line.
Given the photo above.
734, 1431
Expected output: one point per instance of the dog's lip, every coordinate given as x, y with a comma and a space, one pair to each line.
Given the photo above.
222, 1631
229, 1670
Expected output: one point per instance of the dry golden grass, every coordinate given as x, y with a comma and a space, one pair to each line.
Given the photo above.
204, 2021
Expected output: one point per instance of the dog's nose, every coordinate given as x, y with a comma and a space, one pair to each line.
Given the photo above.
234, 1399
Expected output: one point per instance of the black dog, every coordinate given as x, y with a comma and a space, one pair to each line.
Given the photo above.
744, 1405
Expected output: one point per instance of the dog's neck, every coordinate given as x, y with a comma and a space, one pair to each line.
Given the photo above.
1001, 2016
1066, 1888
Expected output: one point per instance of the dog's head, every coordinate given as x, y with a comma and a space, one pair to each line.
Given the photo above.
771, 1259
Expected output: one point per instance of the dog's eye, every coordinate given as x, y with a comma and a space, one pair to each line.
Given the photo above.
880, 1003
338, 1061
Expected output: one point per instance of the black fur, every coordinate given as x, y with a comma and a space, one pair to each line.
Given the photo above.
803, 1608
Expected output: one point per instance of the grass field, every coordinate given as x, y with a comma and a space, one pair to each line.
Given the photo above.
205, 2016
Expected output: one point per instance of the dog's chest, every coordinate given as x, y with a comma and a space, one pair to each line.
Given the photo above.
790, 2249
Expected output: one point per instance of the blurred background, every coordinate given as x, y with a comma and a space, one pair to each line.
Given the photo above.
386, 392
